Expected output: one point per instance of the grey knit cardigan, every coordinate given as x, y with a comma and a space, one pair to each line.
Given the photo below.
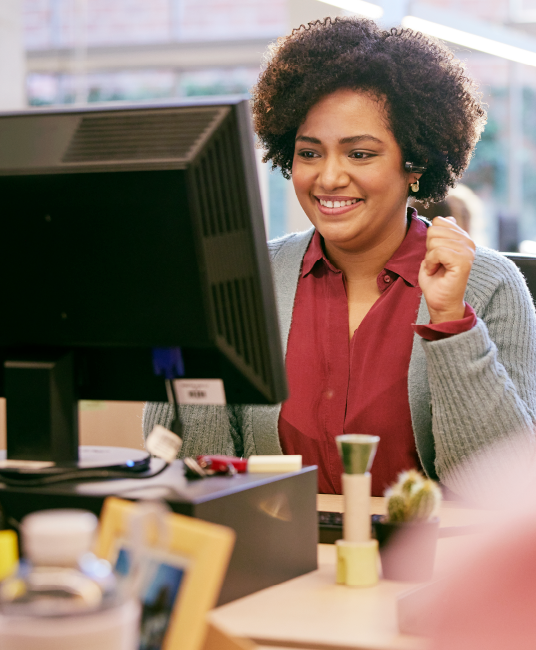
466, 392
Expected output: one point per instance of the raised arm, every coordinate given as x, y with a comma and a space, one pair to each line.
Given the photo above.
483, 382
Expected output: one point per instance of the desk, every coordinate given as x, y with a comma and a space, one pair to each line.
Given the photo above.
312, 612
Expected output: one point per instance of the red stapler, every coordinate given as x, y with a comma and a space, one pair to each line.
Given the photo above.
219, 464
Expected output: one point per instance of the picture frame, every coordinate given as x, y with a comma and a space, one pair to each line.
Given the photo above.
184, 574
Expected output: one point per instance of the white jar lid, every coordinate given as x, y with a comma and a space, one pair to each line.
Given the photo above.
58, 537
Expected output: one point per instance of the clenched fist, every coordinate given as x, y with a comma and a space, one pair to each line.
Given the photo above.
444, 272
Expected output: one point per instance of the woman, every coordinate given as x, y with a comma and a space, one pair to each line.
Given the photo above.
394, 326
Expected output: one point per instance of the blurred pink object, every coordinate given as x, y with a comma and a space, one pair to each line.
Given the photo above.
491, 604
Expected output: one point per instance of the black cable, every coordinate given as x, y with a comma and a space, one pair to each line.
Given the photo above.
76, 475
176, 425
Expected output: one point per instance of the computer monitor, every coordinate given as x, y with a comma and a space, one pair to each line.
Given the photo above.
125, 229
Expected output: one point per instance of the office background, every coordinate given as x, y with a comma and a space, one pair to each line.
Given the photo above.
57, 52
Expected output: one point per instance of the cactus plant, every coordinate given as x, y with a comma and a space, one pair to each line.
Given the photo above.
412, 498
397, 508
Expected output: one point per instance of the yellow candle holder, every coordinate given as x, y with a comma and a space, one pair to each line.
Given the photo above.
357, 554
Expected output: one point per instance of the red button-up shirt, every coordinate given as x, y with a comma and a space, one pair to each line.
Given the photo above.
361, 386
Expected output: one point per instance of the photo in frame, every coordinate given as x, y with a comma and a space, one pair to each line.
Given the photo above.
180, 570
161, 576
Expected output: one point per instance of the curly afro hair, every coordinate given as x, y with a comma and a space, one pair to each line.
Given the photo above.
433, 108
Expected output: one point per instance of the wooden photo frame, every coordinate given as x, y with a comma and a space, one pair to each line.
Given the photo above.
202, 551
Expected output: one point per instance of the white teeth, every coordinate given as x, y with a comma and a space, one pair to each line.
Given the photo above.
337, 204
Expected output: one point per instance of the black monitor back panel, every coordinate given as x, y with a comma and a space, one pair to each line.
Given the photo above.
128, 229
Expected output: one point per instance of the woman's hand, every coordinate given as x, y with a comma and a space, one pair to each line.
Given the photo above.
444, 272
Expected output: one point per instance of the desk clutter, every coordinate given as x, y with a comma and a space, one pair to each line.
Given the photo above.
362, 613
210, 465
144, 579
147, 574
406, 537
60, 595
272, 513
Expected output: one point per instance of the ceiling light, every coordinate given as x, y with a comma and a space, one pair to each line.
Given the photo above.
472, 41
359, 7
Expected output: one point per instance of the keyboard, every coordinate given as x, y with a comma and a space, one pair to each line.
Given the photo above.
330, 527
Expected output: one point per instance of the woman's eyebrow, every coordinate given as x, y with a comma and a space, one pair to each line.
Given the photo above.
351, 140
359, 138
306, 138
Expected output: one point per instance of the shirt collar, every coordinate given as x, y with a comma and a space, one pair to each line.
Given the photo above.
406, 260
314, 254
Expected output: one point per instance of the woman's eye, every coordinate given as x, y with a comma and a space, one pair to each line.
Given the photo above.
360, 155
307, 154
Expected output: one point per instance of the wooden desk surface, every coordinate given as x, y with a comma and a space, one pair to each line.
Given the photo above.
313, 612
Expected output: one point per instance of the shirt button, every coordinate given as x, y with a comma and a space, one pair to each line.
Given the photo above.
387, 278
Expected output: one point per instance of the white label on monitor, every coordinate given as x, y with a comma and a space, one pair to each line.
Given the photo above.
200, 391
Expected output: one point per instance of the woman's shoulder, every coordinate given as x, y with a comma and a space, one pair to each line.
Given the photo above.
493, 272
493, 266
293, 244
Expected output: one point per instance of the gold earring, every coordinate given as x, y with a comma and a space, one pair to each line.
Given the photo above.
415, 186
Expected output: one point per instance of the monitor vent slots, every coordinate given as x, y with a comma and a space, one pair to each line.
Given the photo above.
140, 136
238, 325
222, 205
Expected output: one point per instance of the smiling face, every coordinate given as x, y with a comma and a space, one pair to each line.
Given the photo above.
348, 173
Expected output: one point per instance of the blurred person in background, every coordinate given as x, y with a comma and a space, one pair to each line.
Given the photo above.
391, 326
462, 204
467, 208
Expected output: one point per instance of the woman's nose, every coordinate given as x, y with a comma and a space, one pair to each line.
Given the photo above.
333, 175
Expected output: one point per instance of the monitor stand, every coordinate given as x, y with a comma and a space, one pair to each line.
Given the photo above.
136, 461
42, 422
124, 459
